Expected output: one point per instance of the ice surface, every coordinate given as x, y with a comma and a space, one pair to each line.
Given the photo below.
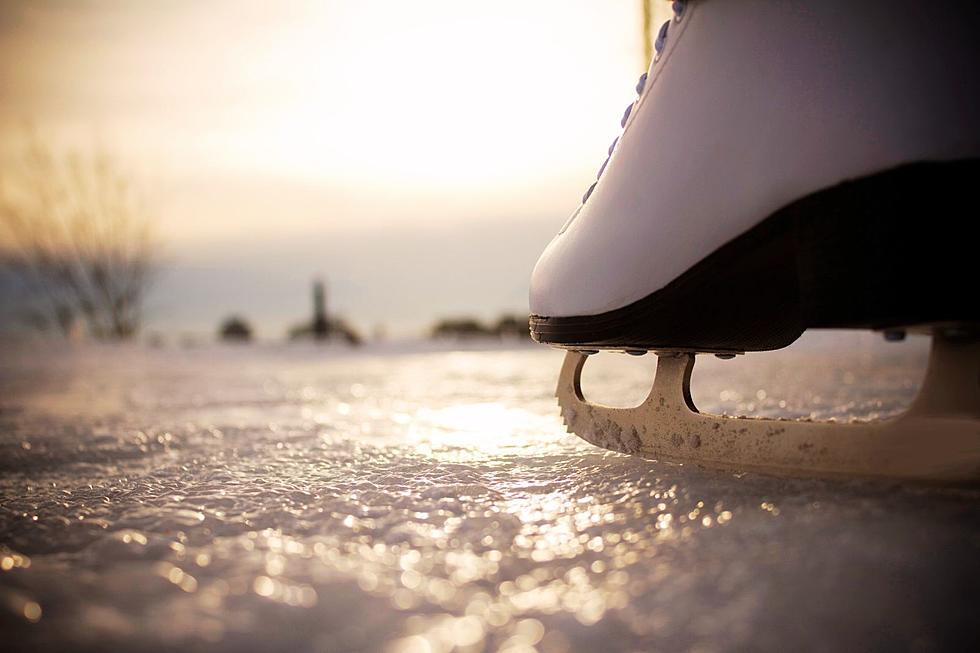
298, 499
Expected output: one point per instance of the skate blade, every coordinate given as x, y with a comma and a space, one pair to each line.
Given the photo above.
936, 439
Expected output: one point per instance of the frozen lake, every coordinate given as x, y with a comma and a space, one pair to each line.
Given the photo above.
290, 498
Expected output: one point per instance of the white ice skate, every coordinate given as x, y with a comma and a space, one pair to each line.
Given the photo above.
787, 165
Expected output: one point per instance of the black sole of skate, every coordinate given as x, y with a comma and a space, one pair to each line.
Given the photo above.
890, 250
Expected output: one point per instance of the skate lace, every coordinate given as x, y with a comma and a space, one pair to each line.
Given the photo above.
658, 46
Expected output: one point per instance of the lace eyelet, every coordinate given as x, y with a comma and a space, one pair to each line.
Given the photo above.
626, 115
661, 41
588, 193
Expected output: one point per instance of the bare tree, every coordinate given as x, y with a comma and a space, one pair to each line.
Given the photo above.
79, 235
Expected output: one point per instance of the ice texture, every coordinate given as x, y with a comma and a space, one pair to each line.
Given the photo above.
273, 498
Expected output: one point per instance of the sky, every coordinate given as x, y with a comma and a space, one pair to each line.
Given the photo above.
418, 156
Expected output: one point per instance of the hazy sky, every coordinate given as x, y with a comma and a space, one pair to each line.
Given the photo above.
418, 155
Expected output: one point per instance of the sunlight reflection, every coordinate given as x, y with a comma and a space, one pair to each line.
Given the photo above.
467, 432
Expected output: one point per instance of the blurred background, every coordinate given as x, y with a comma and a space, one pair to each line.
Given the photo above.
172, 169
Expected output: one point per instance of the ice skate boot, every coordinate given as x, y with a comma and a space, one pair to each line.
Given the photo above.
787, 165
